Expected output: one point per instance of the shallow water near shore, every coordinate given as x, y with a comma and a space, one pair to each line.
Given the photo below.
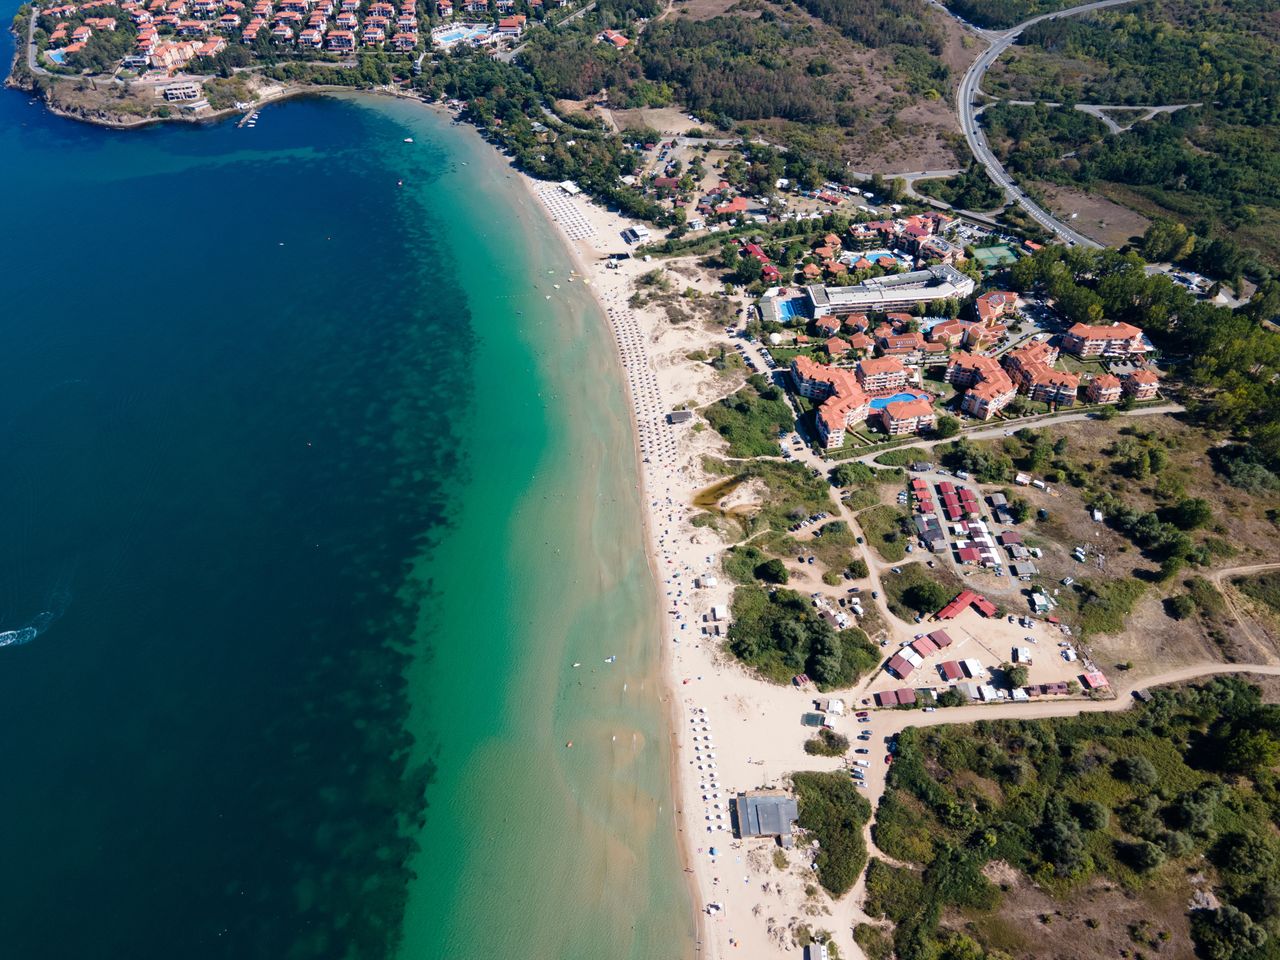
312, 500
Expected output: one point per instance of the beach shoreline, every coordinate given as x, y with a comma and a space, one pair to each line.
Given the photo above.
578, 255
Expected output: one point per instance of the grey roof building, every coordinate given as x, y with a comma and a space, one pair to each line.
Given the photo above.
766, 813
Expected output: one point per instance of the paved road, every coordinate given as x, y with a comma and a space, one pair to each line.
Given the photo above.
966, 111
31, 44
1099, 110
989, 433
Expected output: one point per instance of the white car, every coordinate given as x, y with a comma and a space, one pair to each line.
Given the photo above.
862, 763
1068, 581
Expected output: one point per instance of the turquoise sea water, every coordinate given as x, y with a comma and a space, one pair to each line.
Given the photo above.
311, 498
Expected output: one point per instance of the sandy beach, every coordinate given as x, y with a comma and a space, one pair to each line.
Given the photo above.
727, 733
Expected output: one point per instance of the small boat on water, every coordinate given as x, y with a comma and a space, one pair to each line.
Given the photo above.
408, 139
610, 659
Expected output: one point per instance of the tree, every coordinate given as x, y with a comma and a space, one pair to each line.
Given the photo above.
858, 568
926, 597
1248, 751
852, 474
1180, 607
1092, 815
1016, 676
947, 427
1190, 513
1144, 855
1136, 769
773, 570
1226, 933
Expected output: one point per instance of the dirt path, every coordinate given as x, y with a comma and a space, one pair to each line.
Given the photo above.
1217, 578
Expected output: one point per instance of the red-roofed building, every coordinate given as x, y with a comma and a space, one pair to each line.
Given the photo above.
844, 402
837, 347
900, 666
908, 416
966, 598
924, 647
1116, 340
1103, 388
1094, 680
949, 332
882, 375
941, 639
951, 670
1141, 385
991, 307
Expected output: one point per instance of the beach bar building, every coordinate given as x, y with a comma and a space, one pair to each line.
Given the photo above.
766, 813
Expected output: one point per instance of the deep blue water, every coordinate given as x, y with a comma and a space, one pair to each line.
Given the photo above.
231, 366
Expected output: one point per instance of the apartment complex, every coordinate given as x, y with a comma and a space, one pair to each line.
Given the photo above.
844, 401
1031, 368
990, 388
1112, 341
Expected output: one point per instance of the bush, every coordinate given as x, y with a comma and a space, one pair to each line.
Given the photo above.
1180, 607
858, 568
947, 427
834, 811
772, 571
827, 743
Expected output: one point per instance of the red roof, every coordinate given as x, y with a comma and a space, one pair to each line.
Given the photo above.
900, 666
905, 696
941, 638
924, 646
950, 670
963, 599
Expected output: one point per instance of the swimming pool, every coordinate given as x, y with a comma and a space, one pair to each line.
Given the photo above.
57, 56
790, 309
458, 34
883, 402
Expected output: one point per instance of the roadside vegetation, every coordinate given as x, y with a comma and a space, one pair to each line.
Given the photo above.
1179, 794
1213, 167
918, 590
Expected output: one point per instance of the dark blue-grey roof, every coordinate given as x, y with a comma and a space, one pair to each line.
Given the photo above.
766, 815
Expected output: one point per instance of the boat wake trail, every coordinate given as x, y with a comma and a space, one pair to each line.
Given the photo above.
58, 604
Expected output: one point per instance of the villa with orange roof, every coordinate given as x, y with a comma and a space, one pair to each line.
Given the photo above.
994, 305
837, 347
1116, 340
1031, 368
990, 388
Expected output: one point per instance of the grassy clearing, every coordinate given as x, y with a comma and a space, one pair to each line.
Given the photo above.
883, 528
1122, 805
1265, 588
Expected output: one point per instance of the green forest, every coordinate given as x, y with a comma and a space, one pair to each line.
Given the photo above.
1214, 166
1145, 799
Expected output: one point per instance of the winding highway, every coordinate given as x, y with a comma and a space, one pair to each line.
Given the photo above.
967, 110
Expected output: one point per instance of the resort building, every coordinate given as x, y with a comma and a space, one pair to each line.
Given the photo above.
844, 401
988, 397
1103, 388
993, 306
1114, 341
908, 416
1021, 362
1141, 385
890, 293
881, 375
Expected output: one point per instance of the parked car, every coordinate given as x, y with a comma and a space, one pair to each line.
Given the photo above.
862, 763
862, 750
